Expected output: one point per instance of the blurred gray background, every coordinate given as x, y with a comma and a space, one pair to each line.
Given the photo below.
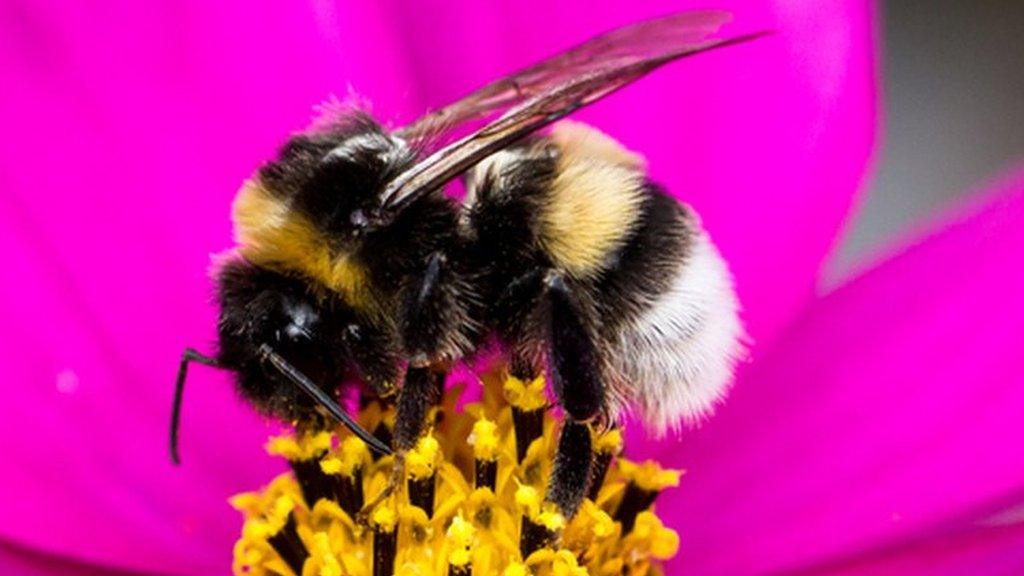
953, 116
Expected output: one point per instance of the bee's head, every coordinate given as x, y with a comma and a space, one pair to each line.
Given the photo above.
334, 176
262, 308
282, 342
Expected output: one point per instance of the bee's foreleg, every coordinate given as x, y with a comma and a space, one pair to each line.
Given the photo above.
435, 323
577, 380
432, 322
421, 391
394, 481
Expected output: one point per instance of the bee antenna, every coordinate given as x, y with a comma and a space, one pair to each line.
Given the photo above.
306, 385
189, 355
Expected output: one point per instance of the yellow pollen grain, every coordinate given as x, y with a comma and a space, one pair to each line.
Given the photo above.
460, 535
421, 461
608, 443
305, 447
330, 466
663, 542
526, 396
528, 499
550, 519
352, 455
384, 517
484, 440
650, 476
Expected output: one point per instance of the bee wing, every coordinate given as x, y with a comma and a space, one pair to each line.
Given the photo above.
630, 44
546, 93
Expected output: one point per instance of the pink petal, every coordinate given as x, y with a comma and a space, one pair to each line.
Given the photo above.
132, 127
989, 546
893, 406
25, 562
128, 128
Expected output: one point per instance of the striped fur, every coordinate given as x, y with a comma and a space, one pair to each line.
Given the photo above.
652, 291
676, 359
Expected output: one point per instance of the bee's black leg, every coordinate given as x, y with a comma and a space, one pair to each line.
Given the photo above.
568, 484
574, 362
421, 391
432, 327
577, 381
431, 316
519, 313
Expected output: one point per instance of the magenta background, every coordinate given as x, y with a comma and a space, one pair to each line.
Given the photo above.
872, 430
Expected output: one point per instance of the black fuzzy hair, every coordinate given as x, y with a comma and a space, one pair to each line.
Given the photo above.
330, 173
318, 334
259, 306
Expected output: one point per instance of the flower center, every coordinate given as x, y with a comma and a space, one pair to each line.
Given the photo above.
471, 501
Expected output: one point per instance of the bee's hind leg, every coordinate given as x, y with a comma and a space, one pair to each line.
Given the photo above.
568, 484
577, 380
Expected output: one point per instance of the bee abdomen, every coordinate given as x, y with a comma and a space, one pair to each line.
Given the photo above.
679, 336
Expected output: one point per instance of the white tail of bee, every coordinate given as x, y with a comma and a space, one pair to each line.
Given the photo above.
677, 359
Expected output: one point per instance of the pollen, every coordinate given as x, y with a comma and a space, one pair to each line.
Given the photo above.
469, 502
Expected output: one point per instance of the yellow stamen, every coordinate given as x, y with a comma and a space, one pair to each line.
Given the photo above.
484, 440
352, 455
609, 443
422, 460
305, 447
471, 528
650, 476
384, 517
526, 396
460, 535
650, 533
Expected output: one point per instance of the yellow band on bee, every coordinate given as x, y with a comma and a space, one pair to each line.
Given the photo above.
271, 233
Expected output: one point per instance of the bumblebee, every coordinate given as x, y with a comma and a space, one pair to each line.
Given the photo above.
352, 263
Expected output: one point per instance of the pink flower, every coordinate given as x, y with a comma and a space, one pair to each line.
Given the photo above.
877, 429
